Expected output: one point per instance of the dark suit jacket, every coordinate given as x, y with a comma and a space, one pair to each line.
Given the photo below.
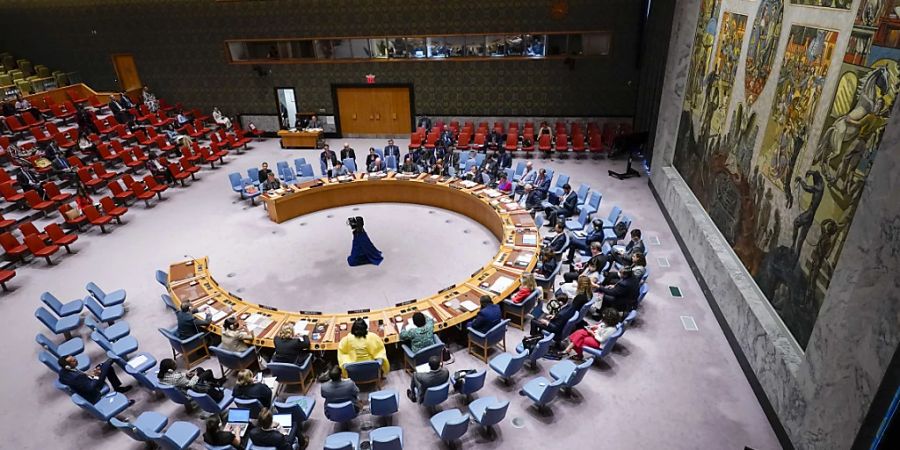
370, 159
188, 325
623, 295
272, 438
264, 175
257, 391
558, 322
324, 157
631, 248
292, 351
80, 383
542, 186
115, 107
393, 150
425, 380
570, 204
505, 160
556, 244
486, 318
348, 153
533, 200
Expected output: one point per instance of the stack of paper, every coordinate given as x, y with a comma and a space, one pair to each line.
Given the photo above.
529, 239
300, 328
524, 258
492, 193
501, 284
469, 305
256, 323
468, 184
511, 206
137, 361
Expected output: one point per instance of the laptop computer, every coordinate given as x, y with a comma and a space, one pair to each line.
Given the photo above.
285, 420
238, 421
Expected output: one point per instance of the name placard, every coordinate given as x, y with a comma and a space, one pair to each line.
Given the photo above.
311, 313
406, 302
359, 311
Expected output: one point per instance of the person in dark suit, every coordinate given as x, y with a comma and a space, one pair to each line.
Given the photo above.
370, 158
425, 122
446, 136
125, 101
338, 390
504, 159
489, 167
118, 111
376, 166
188, 325
247, 389
348, 152
568, 206
409, 166
559, 240
623, 256
329, 160
532, 199
392, 150
555, 323
421, 381
290, 348
587, 242
29, 181
623, 295
542, 183
89, 385
487, 317
267, 434
264, 172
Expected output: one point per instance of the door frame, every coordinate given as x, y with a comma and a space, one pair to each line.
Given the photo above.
337, 106
278, 103
112, 58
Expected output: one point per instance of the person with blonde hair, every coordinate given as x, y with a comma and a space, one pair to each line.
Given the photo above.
360, 345
527, 287
290, 348
248, 389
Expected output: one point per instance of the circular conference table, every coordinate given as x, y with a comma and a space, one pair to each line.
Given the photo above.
191, 281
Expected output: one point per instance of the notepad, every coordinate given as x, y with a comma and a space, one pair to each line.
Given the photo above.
524, 258
492, 193
137, 361
469, 305
501, 284
468, 184
300, 328
529, 239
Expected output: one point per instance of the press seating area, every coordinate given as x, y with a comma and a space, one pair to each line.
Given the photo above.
116, 172
27, 77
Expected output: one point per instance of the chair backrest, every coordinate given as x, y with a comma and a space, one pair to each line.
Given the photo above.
455, 428
596, 197
203, 400
306, 171
299, 162
392, 441
350, 164
95, 290
579, 372
436, 395
497, 333
541, 348
643, 292
49, 360
51, 301
383, 403
252, 404
551, 391
473, 382
340, 412
611, 342
45, 317
363, 371
614, 214
45, 342
285, 371
234, 360
253, 172
162, 278
518, 361
174, 394
391, 162
235, 179
494, 413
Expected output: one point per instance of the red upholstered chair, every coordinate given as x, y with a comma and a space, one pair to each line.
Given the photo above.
34, 202
106, 154
595, 143
60, 237
177, 173
193, 132
62, 114
28, 228
578, 143
198, 123
111, 209
10, 193
164, 145
65, 140
544, 143
512, 142
142, 138
131, 161
463, 142
528, 140
54, 194
123, 133
562, 142
142, 193
209, 156
40, 136
6, 223
39, 248
74, 221
479, 141
165, 106
103, 127
121, 195
431, 141
415, 141
100, 171
75, 97
139, 154
6, 275
95, 218
12, 122
191, 153
13, 248
96, 103
30, 120
155, 186
237, 142
4, 175
189, 167
218, 150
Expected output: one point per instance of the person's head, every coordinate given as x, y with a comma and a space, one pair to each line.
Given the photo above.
271, 176
567, 188
638, 259
371, 150
547, 255
528, 281
313, 117
264, 165
245, 377
390, 142
212, 424
560, 226
610, 317
584, 285
596, 248
635, 235
562, 298
335, 374
503, 177
597, 224
407, 160
580, 300
593, 265
147, 89
67, 362
434, 363
485, 301
264, 418
346, 145
287, 331
326, 147
165, 366
231, 323
338, 165
360, 328
419, 319
542, 172
185, 307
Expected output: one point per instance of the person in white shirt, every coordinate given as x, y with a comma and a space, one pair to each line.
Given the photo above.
220, 118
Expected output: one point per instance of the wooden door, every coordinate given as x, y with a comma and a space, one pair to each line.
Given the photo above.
126, 72
374, 110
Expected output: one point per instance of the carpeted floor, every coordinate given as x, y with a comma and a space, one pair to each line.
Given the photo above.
663, 386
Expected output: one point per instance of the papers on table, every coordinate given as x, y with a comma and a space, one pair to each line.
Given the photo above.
216, 314
524, 258
469, 305
468, 184
300, 328
137, 361
492, 193
529, 239
511, 206
501, 285
256, 323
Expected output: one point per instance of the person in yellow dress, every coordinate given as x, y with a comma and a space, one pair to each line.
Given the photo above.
360, 345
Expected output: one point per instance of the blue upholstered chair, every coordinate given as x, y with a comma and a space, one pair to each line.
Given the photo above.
252, 196
463, 161
340, 412
252, 446
168, 302
582, 194
630, 318
108, 407
281, 166
253, 174
179, 436
106, 299
435, 395
557, 188
520, 170
345, 440
299, 407
288, 374
644, 289
70, 347
141, 362
350, 164
176, 395
570, 373
610, 343
412, 359
488, 412
593, 203
578, 223
365, 372
234, 361
613, 216
220, 447
146, 378
479, 159
121, 348
148, 422
506, 364
539, 351
237, 183
548, 281
113, 332
306, 173
63, 325
106, 315
481, 343
541, 391
450, 425
162, 278
62, 309
468, 165
387, 438
299, 162
289, 177
516, 312
193, 348
206, 403
472, 383
50, 360
391, 162
252, 405
384, 403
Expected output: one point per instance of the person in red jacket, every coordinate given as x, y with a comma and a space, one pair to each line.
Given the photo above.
527, 287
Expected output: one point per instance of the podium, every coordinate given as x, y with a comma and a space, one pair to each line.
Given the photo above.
308, 138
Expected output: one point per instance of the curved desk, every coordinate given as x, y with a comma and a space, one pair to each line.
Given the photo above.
191, 281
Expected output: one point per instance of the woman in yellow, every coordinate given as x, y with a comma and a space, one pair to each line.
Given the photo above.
360, 345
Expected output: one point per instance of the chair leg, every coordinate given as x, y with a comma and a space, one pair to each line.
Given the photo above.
49, 262
5, 289
68, 250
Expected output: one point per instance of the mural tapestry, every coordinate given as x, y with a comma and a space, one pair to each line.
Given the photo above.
837, 4
762, 47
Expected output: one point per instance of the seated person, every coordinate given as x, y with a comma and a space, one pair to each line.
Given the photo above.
370, 158
220, 119
438, 168
623, 255
595, 235
290, 348
504, 185
377, 166
622, 296
248, 389
597, 256
89, 385
160, 172
526, 288
488, 316
339, 390
473, 175
264, 172
392, 150
420, 336
556, 323
188, 325
638, 267
199, 379
504, 158
409, 167
546, 266
568, 206
421, 381
555, 305
271, 183
360, 345
532, 199
266, 433
593, 336
580, 285
340, 170
29, 180
559, 240
215, 435
182, 119
234, 335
